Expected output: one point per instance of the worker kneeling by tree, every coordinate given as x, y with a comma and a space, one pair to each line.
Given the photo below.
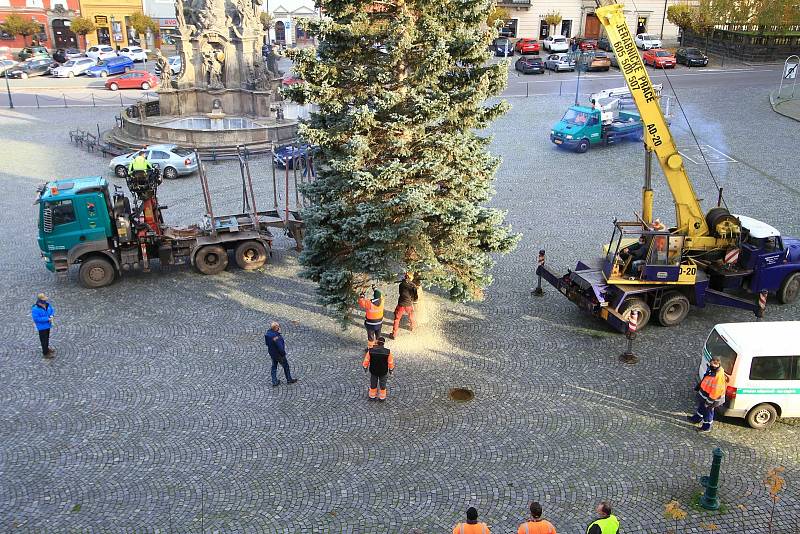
379, 361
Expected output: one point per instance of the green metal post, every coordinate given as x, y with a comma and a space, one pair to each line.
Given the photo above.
710, 498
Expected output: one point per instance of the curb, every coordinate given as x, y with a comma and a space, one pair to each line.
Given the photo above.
776, 106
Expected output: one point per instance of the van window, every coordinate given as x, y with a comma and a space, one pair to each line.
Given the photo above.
773, 368
717, 346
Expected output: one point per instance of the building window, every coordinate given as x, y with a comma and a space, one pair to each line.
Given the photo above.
5, 3
544, 29
566, 28
58, 3
509, 28
34, 3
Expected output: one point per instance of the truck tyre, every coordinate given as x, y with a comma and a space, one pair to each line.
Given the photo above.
96, 272
639, 305
790, 289
211, 259
674, 309
717, 216
762, 416
251, 255
583, 146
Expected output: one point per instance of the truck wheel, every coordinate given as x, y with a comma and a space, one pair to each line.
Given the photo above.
583, 146
251, 255
790, 289
674, 309
96, 272
720, 218
211, 259
762, 416
640, 306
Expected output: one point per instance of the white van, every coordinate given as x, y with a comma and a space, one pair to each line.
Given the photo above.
762, 361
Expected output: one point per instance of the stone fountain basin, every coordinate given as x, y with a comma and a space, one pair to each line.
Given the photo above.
205, 123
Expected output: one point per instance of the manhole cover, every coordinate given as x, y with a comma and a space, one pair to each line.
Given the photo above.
461, 395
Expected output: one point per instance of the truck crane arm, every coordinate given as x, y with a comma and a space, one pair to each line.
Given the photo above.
689, 216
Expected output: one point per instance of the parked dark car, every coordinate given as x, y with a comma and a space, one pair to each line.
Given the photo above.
691, 57
530, 65
33, 52
604, 44
286, 155
503, 47
32, 67
62, 55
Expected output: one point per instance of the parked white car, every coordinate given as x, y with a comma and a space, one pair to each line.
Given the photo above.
73, 67
101, 52
6, 64
559, 62
556, 43
134, 52
174, 65
645, 41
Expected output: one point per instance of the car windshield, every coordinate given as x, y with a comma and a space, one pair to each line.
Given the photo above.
69, 63
101, 63
575, 117
693, 52
646, 37
663, 53
174, 60
559, 39
717, 346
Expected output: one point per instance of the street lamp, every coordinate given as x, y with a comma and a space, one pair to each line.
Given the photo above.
8, 88
664, 16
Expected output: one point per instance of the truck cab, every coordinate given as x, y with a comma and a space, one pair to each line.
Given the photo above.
74, 221
583, 126
773, 259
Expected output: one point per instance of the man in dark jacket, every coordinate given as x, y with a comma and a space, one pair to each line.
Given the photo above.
42, 313
277, 351
405, 303
379, 361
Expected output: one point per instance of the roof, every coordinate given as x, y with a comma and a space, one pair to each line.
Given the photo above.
70, 187
765, 339
757, 229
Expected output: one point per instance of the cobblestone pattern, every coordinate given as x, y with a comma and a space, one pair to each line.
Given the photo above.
157, 415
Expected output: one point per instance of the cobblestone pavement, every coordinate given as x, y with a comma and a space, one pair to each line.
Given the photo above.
157, 414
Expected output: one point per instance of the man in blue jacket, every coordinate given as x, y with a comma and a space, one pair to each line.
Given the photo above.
277, 351
42, 313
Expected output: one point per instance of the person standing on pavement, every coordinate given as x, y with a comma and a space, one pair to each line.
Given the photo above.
373, 320
536, 525
471, 526
710, 394
379, 361
405, 304
606, 523
276, 347
43, 313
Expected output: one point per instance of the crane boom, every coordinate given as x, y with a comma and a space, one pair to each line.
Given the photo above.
689, 217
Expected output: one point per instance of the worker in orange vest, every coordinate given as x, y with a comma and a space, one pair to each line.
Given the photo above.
536, 525
378, 360
471, 526
373, 321
710, 394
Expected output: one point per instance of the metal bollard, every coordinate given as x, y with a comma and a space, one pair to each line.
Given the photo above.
710, 498
65, 99
94, 105
539, 291
628, 356
762, 305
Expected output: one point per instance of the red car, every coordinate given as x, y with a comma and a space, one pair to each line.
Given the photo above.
135, 79
659, 58
587, 44
290, 79
527, 46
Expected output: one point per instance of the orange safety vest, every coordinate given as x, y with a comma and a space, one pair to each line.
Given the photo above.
374, 311
714, 386
467, 528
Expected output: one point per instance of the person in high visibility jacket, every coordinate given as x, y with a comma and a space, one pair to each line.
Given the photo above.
710, 394
379, 361
607, 523
471, 526
139, 163
536, 525
373, 321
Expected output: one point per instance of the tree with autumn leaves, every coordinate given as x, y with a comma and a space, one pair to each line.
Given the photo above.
401, 89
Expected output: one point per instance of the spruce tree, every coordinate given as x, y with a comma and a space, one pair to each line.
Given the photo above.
403, 170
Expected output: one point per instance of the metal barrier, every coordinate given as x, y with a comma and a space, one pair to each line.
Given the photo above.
93, 99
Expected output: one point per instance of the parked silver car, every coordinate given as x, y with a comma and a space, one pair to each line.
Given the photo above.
559, 62
173, 161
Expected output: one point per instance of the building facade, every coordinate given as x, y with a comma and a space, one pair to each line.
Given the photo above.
112, 20
526, 18
53, 17
285, 15
163, 12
